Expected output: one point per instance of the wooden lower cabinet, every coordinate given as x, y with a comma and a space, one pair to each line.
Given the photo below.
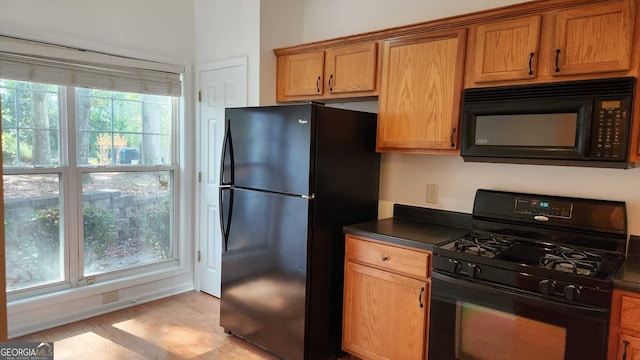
624, 331
386, 310
628, 348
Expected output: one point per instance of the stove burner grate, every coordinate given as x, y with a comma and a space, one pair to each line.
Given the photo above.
485, 245
533, 253
572, 260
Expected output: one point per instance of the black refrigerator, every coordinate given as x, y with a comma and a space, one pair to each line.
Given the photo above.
291, 177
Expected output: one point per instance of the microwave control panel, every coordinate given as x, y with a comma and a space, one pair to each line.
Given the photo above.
610, 126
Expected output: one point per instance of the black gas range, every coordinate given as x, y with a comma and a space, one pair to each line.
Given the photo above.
540, 262
567, 273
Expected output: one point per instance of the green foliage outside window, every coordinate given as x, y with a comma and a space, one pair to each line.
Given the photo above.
99, 230
156, 228
34, 255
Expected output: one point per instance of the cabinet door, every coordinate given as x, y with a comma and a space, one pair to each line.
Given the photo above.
630, 313
593, 39
629, 347
303, 74
507, 50
421, 86
384, 314
352, 68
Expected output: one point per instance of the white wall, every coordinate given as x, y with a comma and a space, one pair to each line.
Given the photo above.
227, 29
157, 30
404, 177
142, 28
280, 26
252, 28
326, 19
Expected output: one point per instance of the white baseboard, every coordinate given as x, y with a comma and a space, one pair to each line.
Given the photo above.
48, 313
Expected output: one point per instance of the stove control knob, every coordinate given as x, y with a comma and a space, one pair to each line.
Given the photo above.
547, 287
454, 266
474, 270
571, 292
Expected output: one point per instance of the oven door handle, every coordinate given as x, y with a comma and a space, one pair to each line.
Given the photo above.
503, 291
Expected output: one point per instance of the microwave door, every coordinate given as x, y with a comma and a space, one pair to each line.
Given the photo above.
530, 130
525, 130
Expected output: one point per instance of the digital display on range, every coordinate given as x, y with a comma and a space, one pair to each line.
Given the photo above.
558, 209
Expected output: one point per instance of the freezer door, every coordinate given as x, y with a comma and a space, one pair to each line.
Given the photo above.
271, 148
264, 271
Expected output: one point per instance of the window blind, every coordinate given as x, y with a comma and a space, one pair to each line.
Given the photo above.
45, 63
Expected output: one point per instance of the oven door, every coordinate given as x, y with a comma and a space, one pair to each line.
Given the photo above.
471, 320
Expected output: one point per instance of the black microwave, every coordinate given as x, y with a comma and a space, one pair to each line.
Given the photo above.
576, 123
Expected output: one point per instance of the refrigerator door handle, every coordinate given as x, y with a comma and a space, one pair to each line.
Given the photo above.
227, 145
224, 228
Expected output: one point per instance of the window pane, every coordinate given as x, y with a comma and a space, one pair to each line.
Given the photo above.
128, 219
127, 116
111, 124
33, 245
30, 120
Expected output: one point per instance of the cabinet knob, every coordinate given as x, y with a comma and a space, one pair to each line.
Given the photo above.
624, 349
385, 258
531, 63
451, 139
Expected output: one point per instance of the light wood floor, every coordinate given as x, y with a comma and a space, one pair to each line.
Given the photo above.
184, 326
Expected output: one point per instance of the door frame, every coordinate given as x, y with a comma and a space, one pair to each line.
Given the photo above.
200, 68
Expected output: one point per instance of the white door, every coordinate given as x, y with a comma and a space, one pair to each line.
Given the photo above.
222, 84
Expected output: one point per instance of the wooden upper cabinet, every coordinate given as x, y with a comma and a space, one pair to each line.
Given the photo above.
351, 68
421, 85
593, 39
507, 50
580, 42
335, 72
303, 74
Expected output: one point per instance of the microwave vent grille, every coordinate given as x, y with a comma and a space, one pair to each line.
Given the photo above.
575, 89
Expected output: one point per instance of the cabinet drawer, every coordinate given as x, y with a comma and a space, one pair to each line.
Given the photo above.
411, 262
630, 313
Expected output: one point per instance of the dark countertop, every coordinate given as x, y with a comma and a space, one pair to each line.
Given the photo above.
628, 276
423, 228
416, 227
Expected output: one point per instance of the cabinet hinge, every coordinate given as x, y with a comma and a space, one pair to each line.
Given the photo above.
198, 255
199, 176
199, 96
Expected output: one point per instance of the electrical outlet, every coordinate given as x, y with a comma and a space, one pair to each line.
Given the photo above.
109, 297
432, 194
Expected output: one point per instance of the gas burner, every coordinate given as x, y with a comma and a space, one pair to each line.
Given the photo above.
485, 245
572, 261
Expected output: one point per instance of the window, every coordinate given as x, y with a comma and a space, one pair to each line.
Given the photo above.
89, 171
